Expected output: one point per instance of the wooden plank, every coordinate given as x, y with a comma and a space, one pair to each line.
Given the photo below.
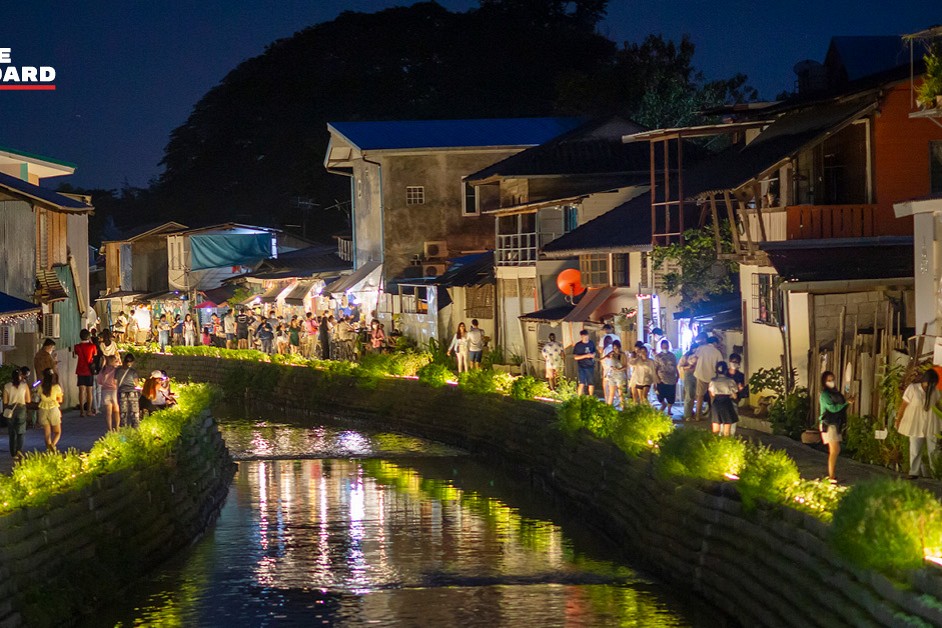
733, 227
757, 193
716, 225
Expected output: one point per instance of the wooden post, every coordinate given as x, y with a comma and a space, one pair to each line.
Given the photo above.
716, 226
737, 245
757, 192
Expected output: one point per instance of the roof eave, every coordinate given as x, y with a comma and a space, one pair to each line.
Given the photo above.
567, 253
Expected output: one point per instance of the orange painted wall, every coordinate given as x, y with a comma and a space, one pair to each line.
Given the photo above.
901, 159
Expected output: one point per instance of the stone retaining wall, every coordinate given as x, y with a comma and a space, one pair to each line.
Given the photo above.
84, 546
770, 567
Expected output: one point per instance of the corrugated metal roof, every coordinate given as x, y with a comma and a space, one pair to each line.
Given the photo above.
549, 315
785, 137
625, 228
469, 270
595, 147
48, 197
413, 134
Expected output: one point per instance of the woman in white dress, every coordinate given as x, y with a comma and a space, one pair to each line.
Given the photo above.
459, 347
615, 365
643, 375
917, 419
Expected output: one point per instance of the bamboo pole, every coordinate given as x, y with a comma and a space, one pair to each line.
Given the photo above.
716, 226
733, 226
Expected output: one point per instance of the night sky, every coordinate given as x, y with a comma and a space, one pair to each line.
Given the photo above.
128, 72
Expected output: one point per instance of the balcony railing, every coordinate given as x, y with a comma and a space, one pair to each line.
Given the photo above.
815, 222
521, 249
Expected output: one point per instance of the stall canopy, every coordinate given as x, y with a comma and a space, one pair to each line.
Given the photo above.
217, 297
219, 250
364, 278
11, 306
121, 294
271, 295
298, 292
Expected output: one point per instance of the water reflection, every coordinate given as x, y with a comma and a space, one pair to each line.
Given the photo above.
404, 542
274, 440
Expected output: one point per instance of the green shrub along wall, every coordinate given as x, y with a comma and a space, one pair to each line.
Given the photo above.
771, 566
84, 546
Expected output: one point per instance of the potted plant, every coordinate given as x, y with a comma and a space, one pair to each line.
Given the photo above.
929, 93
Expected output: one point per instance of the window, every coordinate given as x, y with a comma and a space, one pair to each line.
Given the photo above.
570, 218
471, 204
935, 167
765, 298
619, 269
834, 172
415, 195
414, 299
594, 270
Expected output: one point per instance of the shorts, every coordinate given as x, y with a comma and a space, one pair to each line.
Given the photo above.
242, 335
109, 397
86, 380
475, 356
667, 393
230, 337
586, 376
129, 408
552, 370
830, 434
50, 416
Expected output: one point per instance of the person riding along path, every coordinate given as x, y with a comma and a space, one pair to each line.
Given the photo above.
832, 419
918, 419
85, 353
16, 395
665, 364
723, 391
50, 413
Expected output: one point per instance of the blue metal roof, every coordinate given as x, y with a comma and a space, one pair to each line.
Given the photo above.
406, 134
10, 305
42, 194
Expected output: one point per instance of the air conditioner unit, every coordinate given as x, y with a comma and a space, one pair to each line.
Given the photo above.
433, 270
51, 325
7, 336
436, 249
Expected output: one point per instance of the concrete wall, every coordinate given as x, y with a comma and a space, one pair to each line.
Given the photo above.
772, 567
83, 547
407, 227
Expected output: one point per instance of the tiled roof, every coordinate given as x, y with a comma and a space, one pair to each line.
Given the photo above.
595, 147
413, 134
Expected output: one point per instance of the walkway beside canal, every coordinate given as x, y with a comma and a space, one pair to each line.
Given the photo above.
77, 433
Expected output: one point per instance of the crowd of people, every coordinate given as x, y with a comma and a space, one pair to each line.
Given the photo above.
340, 336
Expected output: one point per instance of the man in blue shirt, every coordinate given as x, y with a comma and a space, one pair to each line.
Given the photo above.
583, 352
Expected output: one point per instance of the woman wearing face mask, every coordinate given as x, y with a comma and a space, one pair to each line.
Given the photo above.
916, 419
832, 419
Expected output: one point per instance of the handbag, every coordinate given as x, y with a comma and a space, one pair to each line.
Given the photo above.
8, 412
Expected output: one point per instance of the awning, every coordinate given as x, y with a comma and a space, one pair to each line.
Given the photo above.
161, 295
217, 297
591, 301
297, 293
271, 295
13, 307
549, 315
364, 278
842, 259
49, 288
120, 294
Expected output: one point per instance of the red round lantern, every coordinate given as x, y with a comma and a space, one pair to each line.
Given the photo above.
938, 370
569, 282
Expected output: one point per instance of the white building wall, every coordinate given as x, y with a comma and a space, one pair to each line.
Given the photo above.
367, 212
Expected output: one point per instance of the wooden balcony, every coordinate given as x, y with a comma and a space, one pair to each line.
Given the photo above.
816, 222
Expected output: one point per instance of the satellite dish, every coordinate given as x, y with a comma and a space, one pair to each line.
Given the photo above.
569, 283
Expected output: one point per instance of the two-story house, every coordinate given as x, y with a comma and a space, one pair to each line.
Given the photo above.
411, 210
539, 195
44, 237
826, 269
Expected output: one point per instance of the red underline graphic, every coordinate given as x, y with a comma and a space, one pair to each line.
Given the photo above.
28, 88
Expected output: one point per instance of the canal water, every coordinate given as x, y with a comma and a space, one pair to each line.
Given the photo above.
334, 527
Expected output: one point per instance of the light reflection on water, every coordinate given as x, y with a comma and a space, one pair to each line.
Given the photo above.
411, 542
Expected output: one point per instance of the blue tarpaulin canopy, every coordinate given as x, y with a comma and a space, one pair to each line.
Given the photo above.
228, 249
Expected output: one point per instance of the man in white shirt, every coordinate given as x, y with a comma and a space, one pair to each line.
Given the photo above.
475, 345
707, 355
229, 327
